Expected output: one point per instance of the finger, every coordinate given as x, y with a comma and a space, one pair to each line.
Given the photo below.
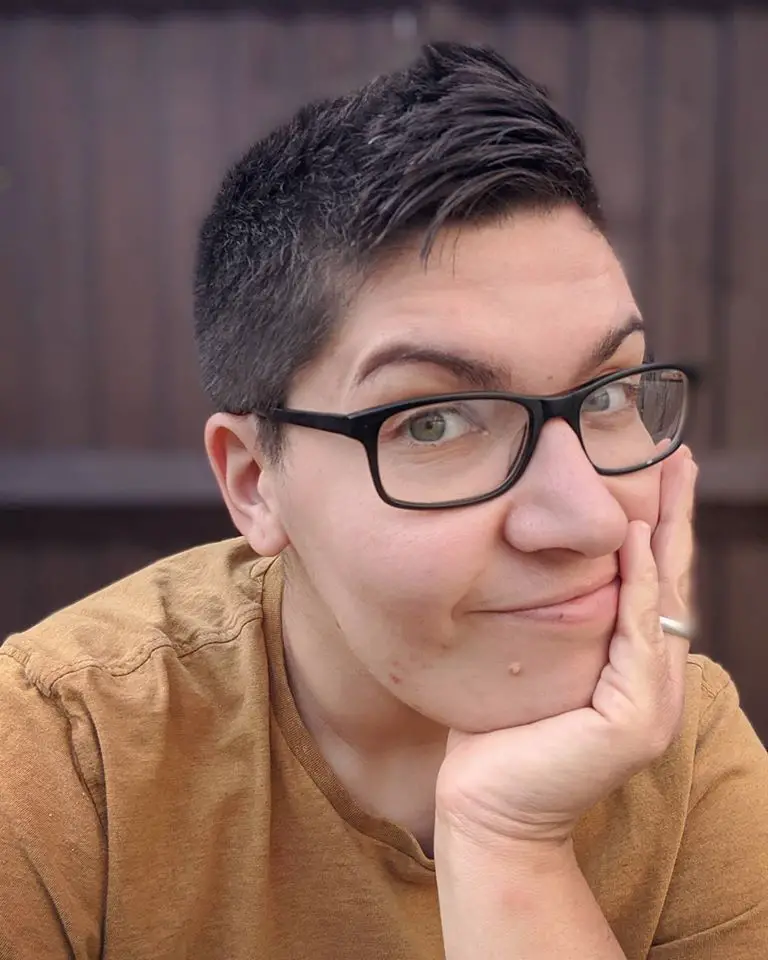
636, 667
638, 612
646, 667
673, 540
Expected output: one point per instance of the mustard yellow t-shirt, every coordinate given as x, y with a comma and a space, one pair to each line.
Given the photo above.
161, 798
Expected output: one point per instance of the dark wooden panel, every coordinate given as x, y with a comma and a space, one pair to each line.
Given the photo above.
126, 226
447, 21
109, 478
543, 48
745, 651
16, 342
679, 296
50, 89
744, 338
743, 344
189, 57
615, 124
738, 631
20, 601
255, 98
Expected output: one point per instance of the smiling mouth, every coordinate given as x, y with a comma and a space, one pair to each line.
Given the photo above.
598, 604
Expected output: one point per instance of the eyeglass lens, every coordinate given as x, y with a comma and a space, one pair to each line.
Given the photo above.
460, 449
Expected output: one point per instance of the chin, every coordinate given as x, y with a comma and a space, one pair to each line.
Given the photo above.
529, 707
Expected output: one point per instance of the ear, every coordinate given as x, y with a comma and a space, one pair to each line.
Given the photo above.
246, 480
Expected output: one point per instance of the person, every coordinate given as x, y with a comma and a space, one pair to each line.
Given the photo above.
423, 706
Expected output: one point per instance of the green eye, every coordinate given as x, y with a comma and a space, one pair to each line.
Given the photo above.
428, 428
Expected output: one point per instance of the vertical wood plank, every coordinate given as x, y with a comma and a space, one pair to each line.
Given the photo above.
615, 127
745, 652
18, 587
744, 334
16, 408
449, 21
254, 98
743, 342
189, 60
51, 88
679, 298
389, 41
542, 47
126, 256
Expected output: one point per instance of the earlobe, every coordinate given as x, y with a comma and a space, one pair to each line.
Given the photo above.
246, 481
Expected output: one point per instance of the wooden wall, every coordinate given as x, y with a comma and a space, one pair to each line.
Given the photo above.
113, 136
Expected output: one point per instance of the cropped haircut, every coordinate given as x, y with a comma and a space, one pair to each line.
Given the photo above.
458, 137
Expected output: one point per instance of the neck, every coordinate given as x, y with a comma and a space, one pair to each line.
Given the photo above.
386, 755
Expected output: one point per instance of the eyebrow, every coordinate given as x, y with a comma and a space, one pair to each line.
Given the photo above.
479, 373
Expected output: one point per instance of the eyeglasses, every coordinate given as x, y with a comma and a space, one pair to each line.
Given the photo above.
458, 449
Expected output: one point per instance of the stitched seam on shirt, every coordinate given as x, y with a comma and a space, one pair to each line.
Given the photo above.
54, 699
140, 658
712, 692
47, 679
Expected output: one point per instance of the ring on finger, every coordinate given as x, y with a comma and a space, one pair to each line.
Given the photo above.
677, 628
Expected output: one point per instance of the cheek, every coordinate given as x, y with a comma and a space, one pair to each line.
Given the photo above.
398, 564
639, 494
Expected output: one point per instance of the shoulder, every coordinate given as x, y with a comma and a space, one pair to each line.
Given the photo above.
714, 730
133, 674
177, 605
707, 681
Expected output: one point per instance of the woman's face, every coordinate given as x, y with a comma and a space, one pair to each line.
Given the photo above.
451, 611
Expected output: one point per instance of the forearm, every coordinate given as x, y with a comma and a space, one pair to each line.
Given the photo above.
501, 902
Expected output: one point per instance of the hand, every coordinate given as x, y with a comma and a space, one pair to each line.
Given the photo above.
534, 782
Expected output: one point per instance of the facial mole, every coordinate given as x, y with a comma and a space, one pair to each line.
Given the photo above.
515, 668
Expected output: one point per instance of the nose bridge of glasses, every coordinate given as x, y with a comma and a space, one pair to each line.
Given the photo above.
566, 408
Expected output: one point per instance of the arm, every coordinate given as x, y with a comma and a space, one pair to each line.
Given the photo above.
517, 900
51, 843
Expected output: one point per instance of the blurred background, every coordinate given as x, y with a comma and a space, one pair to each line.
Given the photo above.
117, 121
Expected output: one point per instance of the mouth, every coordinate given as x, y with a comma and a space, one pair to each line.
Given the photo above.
597, 604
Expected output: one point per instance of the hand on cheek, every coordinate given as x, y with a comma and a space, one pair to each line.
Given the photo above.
532, 783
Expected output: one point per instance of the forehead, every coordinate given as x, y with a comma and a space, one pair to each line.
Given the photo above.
532, 293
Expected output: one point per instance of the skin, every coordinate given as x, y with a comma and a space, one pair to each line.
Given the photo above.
393, 626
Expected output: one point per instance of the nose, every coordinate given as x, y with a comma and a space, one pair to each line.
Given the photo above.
561, 502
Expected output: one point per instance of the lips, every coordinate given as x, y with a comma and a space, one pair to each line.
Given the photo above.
576, 593
590, 602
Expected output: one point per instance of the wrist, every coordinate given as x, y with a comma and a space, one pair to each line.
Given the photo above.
471, 847
537, 841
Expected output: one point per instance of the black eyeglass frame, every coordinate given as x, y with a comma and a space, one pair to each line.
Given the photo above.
365, 425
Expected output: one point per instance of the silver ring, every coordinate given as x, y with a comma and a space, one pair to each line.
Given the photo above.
677, 628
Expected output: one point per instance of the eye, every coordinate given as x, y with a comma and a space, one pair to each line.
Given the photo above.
440, 424
613, 398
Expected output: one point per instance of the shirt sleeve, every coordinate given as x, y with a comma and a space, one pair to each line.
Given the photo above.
52, 850
717, 903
